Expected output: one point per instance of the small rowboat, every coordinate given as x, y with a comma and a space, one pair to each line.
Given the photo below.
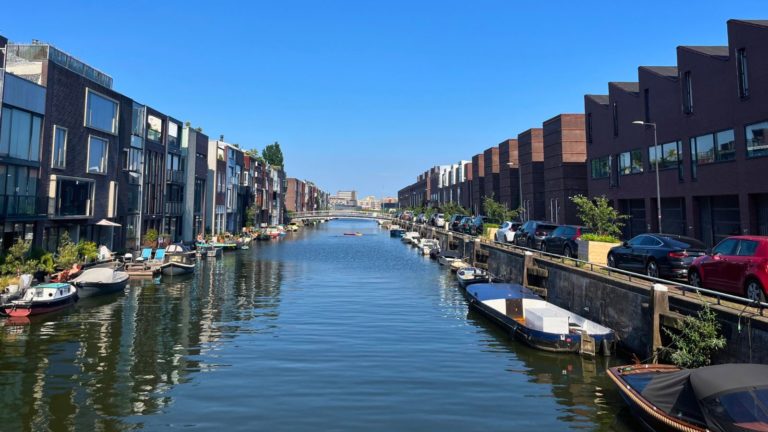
42, 299
471, 275
357, 234
727, 397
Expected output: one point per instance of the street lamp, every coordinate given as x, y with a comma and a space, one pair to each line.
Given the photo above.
520, 184
658, 156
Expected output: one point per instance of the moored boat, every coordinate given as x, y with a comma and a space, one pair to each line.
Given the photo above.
396, 232
178, 260
427, 245
446, 258
99, 281
727, 397
536, 322
42, 299
457, 265
471, 275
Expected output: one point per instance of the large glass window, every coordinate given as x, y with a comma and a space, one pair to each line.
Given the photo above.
710, 148
59, 147
133, 158
137, 120
73, 197
97, 155
100, 112
668, 154
173, 134
154, 128
756, 140
726, 145
631, 162
20, 134
600, 168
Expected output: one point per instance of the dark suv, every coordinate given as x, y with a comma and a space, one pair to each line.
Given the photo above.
532, 233
477, 223
464, 224
453, 225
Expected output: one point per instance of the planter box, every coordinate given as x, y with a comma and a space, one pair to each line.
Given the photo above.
595, 252
490, 233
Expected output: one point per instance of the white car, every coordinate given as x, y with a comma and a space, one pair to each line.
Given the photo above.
506, 233
440, 220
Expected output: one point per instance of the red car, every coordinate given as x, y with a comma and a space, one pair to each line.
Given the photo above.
737, 265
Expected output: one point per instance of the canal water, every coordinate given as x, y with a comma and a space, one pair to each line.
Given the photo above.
318, 331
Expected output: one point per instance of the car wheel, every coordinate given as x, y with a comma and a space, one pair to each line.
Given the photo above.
567, 252
754, 291
652, 269
529, 244
694, 279
611, 261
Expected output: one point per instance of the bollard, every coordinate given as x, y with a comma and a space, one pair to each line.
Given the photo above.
527, 262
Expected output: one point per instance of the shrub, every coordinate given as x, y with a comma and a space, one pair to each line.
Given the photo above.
597, 215
150, 237
87, 250
17, 260
699, 338
46, 264
599, 238
498, 211
67, 253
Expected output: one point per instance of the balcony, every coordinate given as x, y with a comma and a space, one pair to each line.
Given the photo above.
174, 208
175, 176
21, 207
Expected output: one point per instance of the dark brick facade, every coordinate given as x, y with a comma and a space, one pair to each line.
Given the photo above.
565, 168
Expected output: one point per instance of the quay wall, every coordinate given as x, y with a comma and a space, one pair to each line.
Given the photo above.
623, 305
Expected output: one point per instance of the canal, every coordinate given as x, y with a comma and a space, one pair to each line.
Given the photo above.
318, 331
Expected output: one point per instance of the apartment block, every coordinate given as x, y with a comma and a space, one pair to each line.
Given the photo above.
565, 167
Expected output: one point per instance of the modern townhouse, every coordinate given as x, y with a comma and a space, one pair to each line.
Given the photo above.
509, 174
565, 167
491, 180
194, 145
531, 154
708, 116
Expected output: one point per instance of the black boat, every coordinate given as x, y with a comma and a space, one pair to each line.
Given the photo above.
178, 260
100, 280
728, 397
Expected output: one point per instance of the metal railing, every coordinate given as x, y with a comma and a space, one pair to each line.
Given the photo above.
174, 176
684, 288
340, 214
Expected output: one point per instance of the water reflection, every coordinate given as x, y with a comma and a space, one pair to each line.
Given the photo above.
116, 357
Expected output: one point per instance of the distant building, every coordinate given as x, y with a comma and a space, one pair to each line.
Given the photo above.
344, 199
370, 203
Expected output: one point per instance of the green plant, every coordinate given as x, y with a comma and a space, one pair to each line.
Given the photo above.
498, 211
46, 263
273, 155
451, 208
599, 238
150, 237
87, 250
598, 216
17, 260
698, 339
66, 254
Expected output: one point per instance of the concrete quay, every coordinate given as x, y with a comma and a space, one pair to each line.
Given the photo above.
625, 302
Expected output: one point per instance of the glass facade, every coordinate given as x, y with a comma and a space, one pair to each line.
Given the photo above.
20, 134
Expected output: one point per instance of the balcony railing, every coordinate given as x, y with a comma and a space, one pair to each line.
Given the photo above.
174, 176
74, 210
174, 208
17, 206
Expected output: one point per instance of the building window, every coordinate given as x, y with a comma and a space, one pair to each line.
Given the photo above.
631, 162
668, 155
18, 190
647, 101
154, 128
589, 128
100, 112
59, 147
73, 197
741, 64
137, 121
615, 119
133, 158
97, 155
600, 168
757, 145
20, 134
173, 134
711, 148
687, 93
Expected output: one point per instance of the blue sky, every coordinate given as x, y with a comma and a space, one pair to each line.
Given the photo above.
363, 94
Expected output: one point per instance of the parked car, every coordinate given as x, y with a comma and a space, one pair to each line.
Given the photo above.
737, 265
439, 220
464, 224
421, 218
657, 255
407, 215
477, 224
453, 224
563, 240
531, 233
506, 233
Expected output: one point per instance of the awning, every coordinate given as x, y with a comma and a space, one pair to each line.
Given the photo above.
105, 222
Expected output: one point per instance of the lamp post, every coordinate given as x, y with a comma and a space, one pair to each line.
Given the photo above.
520, 184
656, 152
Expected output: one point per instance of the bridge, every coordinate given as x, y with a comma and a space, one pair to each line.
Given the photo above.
341, 214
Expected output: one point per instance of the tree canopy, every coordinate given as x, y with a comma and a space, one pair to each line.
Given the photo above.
273, 155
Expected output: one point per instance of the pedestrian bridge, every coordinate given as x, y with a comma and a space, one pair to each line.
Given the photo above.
341, 214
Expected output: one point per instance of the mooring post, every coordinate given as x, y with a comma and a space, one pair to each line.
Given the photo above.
659, 306
527, 263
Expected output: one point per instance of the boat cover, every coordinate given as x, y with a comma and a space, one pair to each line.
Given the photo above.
451, 254
487, 291
724, 397
100, 275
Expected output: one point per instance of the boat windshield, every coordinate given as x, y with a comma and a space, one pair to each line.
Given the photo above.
740, 410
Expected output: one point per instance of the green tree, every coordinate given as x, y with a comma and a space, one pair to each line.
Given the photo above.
67, 253
250, 215
496, 210
87, 250
273, 155
698, 339
17, 260
451, 208
596, 214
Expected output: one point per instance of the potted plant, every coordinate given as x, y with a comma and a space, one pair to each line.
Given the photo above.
45, 267
604, 224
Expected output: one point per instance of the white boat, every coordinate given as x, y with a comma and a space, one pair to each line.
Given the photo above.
409, 236
427, 245
458, 265
471, 275
448, 257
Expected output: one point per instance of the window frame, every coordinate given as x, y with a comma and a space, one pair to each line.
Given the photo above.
115, 122
106, 156
687, 88
761, 152
742, 73
592, 165
63, 165
631, 166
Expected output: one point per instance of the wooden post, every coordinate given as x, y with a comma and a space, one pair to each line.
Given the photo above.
659, 306
527, 262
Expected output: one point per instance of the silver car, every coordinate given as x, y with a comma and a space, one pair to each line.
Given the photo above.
506, 233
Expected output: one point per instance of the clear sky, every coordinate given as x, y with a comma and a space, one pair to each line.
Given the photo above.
368, 94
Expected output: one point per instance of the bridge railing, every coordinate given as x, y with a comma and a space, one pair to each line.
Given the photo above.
341, 214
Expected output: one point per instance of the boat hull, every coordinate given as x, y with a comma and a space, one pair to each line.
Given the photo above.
39, 308
90, 289
176, 269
